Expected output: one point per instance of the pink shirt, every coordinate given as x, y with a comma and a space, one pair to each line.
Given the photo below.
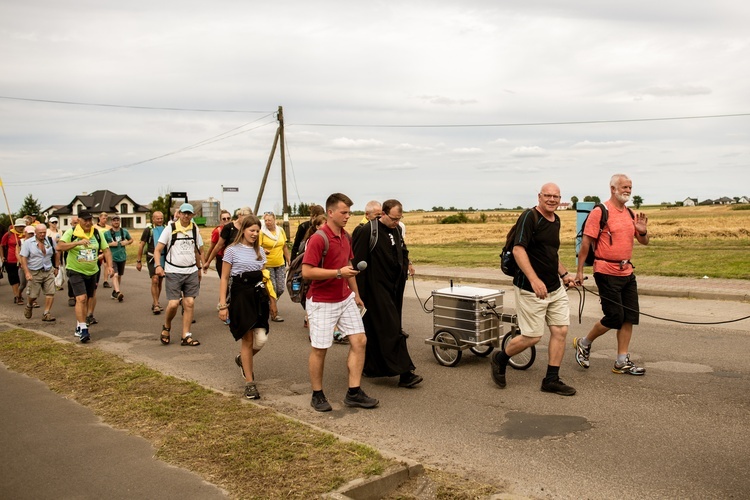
621, 226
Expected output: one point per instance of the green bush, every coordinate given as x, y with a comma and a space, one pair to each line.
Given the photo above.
459, 218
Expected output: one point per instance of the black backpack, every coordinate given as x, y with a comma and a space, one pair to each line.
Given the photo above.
602, 223
171, 227
507, 261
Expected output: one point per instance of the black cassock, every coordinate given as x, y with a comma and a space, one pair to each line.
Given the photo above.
381, 287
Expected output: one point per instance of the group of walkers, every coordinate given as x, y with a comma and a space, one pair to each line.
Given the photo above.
355, 282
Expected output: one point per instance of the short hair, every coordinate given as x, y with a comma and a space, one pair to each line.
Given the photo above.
244, 211
316, 210
371, 205
615, 179
104, 214
335, 198
390, 204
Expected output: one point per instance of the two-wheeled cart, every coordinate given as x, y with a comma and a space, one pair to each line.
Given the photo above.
466, 317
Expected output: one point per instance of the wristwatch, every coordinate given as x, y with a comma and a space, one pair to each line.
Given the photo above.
338, 274
220, 306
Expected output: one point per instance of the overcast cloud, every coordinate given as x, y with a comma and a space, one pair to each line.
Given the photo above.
352, 77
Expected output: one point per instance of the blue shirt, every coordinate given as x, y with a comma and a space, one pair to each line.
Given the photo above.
35, 258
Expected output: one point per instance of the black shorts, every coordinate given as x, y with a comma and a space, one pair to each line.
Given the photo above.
82, 284
12, 271
119, 267
619, 297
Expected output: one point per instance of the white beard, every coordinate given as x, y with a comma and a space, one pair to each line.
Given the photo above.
623, 198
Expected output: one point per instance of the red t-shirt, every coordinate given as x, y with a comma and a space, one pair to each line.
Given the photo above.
621, 227
339, 255
10, 240
215, 239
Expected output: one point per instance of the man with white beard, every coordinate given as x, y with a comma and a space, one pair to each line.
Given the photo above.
613, 272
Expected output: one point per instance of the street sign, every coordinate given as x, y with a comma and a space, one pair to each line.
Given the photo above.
231, 190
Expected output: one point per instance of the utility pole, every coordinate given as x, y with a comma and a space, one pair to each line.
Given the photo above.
279, 135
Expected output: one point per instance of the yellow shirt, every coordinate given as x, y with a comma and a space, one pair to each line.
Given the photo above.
274, 244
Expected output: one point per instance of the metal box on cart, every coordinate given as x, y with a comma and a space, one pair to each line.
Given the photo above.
465, 317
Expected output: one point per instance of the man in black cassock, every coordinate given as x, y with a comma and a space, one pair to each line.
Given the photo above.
381, 286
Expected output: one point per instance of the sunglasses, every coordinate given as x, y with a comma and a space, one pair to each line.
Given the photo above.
226, 218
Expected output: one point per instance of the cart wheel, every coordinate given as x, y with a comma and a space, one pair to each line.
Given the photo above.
482, 350
522, 360
446, 356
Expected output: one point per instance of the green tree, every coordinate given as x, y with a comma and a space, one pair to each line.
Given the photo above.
30, 206
573, 202
595, 199
637, 201
162, 204
303, 209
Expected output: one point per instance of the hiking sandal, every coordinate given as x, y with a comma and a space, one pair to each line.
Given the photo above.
188, 340
156, 309
165, 339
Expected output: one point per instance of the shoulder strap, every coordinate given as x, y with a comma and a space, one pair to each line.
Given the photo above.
373, 233
325, 245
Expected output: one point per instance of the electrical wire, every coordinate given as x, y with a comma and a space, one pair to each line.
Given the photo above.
124, 106
205, 142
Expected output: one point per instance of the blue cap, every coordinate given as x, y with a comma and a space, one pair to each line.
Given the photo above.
187, 207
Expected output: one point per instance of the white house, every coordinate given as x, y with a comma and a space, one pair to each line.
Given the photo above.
690, 202
132, 215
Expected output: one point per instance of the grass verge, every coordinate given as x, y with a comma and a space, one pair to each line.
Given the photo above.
247, 450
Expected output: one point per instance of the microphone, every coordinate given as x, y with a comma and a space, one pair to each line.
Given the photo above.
361, 265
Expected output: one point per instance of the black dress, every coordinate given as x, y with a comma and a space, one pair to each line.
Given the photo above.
249, 306
381, 287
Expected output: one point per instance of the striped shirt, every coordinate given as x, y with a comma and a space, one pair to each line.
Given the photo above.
243, 258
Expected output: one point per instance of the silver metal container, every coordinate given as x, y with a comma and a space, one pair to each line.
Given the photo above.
467, 313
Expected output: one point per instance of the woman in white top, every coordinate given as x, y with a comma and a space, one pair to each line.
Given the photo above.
54, 229
249, 307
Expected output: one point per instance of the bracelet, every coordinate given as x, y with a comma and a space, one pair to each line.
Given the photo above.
157, 265
564, 275
221, 307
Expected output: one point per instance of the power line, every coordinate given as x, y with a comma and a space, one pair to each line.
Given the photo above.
205, 142
532, 124
103, 105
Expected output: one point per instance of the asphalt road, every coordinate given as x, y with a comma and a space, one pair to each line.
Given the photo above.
681, 431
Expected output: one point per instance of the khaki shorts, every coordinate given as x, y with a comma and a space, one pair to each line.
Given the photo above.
44, 281
534, 313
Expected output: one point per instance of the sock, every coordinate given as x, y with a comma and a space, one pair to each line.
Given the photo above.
318, 393
46, 312
502, 360
621, 358
553, 373
584, 342
81, 326
353, 391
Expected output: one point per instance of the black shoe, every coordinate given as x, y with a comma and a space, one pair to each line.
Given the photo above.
497, 376
320, 403
557, 386
91, 320
106, 284
361, 400
406, 335
114, 294
409, 379
72, 302
251, 391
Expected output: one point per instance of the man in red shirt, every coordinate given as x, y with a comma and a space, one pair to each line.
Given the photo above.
613, 273
333, 299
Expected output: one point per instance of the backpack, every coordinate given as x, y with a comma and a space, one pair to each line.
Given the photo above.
602, 222
170, 225
374, 233
507, 261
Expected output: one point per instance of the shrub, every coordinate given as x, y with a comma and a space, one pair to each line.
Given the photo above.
459, 218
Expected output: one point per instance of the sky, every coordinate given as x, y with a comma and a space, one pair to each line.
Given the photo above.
474, 103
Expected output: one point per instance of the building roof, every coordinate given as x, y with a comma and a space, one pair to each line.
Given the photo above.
102, 200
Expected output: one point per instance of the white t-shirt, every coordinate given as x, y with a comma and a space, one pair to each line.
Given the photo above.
181, 255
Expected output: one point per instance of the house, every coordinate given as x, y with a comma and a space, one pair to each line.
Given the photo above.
564, 205
707, 202
132, 215
744, 199
690, 202
724, 200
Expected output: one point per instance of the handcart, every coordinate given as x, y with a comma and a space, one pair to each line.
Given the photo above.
466, 317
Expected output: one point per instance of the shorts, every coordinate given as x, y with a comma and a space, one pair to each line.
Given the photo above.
11, 269
533, 313
82, 284
325, 317
119, 267
616, 292
43, 281
179, 285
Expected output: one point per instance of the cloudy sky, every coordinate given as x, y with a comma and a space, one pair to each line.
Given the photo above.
436, 103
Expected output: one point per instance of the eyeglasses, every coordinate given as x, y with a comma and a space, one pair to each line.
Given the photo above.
394, 218
550, 196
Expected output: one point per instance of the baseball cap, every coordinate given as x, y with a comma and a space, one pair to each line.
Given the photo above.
29, 229
85, 214
187, 207
54, 219
115, 217
20, 222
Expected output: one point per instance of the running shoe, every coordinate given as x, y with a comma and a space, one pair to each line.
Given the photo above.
628, 368
582, 353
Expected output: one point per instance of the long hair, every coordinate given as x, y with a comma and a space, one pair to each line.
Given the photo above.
248, 221
314, 226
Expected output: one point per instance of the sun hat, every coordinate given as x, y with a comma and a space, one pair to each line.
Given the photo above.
20, 222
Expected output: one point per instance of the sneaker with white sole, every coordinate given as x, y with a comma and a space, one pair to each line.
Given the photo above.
582, 353
84, 335
628, 368
251, 391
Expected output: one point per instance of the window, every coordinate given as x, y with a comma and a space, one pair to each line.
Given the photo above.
79, 208
137, 220
65, 222
123, 208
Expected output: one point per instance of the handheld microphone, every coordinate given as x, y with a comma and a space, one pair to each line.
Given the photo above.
361, 265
